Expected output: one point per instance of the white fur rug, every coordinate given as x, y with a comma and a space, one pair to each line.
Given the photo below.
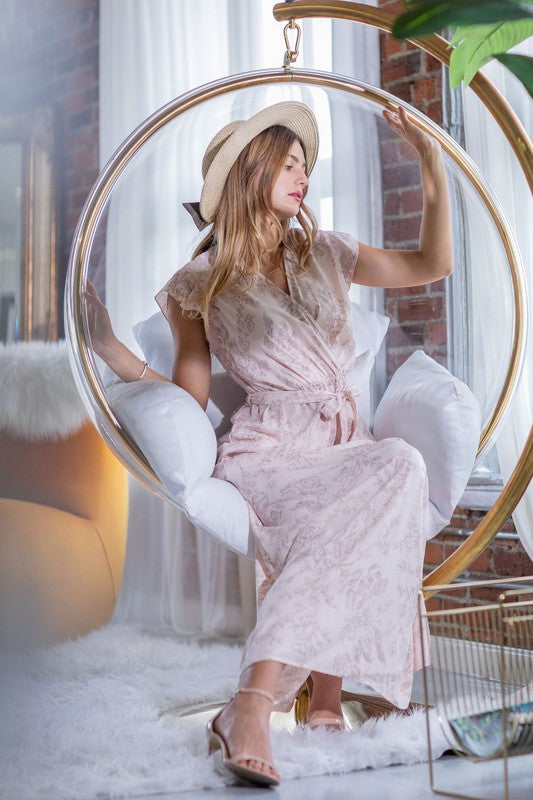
38, 396
82, 720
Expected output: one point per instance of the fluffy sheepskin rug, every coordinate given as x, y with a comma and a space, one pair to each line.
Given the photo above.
38, 396
86, 719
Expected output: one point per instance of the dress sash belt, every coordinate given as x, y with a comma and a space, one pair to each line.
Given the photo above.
333, 398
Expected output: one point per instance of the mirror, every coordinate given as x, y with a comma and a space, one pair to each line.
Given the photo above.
28, 226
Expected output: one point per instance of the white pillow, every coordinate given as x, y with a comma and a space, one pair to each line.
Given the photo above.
171, 429
176, 437
370, 328
430, 409
220, 510
155, 340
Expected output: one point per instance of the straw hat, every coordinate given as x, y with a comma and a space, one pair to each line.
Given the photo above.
225, 147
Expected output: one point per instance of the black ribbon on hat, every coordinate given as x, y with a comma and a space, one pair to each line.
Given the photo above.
194, 211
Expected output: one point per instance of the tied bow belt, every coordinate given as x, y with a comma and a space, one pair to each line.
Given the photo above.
333, 399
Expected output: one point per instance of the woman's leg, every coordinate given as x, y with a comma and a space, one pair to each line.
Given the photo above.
244, 721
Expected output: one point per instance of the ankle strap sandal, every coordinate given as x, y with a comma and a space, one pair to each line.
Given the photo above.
217, 742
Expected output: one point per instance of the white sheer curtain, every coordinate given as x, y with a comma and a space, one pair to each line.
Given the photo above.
150, 52
491, 151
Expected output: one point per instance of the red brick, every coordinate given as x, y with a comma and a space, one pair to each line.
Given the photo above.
406, 291
487, 593
457, 601
392, 203
508, 562
438, 286
434, 111
73, 181
84, 158
458, 521
390, 152
395, 360
405, 65
394, 70
83, 79
409, 154
424, 89
74, 103
436, 332
450, 548
450, 537
394, 7
78, 199
412, 200
402, 229
432, 64
420, 309
391, 305
509, 526
392, 46
481, 563
403, 91
406, 336
437, 356
433, 554
401, 176
433, 604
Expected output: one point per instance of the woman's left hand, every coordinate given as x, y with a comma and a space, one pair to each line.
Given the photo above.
401, 123
100, 328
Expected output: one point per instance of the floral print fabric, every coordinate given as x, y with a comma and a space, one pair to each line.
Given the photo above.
338, 518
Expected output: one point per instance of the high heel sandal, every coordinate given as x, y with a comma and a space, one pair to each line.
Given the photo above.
217, 742
333, 722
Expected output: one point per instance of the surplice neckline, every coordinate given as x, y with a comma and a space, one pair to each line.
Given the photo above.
285, 259
287, 256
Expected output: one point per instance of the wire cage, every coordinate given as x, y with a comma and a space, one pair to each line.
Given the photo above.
480, 674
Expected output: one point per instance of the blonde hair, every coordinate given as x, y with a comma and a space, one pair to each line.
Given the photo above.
236, 238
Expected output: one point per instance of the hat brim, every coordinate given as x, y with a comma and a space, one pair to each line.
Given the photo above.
294, 115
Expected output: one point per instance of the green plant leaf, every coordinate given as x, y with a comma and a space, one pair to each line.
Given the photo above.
478, 44
520, 66
424, 17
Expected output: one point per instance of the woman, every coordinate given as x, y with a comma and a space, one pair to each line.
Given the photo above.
339, 518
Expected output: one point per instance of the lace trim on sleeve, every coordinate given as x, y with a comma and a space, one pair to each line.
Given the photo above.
345, 250
183, 287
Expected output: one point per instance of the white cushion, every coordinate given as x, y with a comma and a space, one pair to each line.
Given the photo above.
219, 508
432, 410
175, 435
171, 429
370, 328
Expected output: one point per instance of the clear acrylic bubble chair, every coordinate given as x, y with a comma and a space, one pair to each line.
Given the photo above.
133, 229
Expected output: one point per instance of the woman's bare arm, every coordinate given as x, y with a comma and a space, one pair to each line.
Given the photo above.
192, 361
434, 258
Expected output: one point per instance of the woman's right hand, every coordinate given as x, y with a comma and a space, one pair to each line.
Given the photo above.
100, 328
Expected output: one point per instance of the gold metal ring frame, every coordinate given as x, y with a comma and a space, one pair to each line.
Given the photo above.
83, 363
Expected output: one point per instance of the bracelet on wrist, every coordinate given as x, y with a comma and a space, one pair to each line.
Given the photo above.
145, 367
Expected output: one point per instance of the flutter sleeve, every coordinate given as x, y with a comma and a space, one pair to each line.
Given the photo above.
344, 251
185, 287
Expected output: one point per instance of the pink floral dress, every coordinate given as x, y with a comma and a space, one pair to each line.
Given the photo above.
338, 517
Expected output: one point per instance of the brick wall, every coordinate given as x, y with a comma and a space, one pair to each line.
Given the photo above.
418, 313
49, 56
